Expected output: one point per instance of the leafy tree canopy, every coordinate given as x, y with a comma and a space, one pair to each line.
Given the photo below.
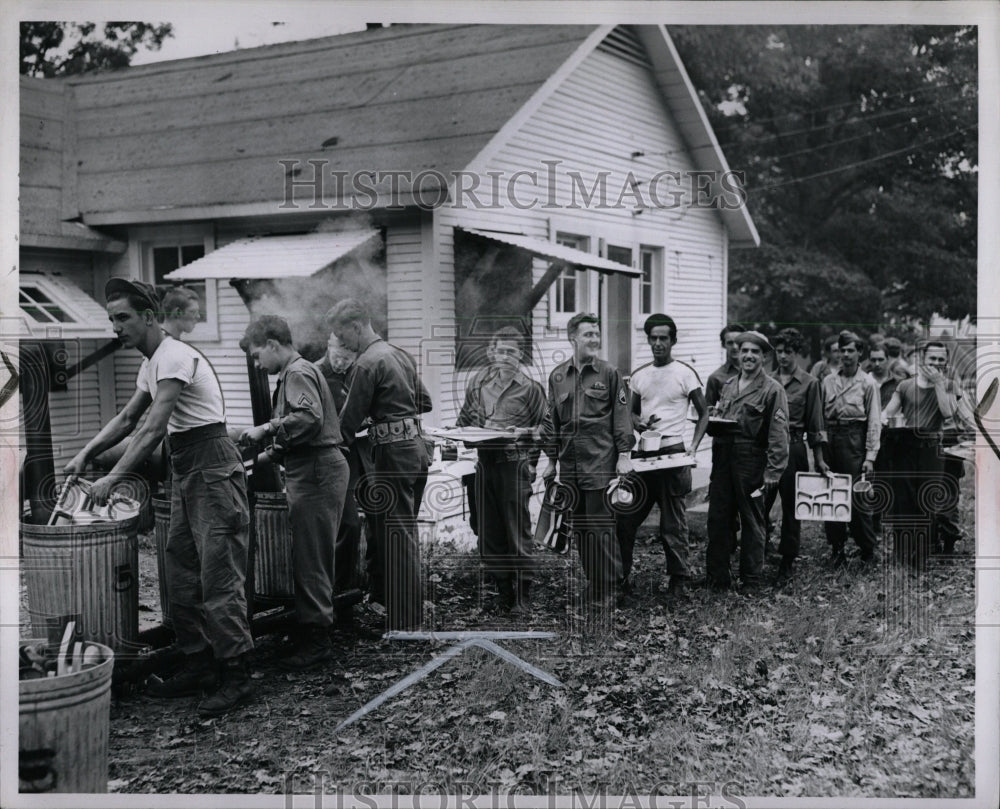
859, 145
65, 48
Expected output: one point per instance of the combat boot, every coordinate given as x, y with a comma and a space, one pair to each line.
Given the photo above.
314, 648
235, 688
507, 597
522, 606
196, 676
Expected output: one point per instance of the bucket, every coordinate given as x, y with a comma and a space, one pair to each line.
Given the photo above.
161, 530
649, 441
89, 572
63, 729
273, 577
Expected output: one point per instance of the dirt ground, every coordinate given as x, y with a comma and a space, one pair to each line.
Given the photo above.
858, 683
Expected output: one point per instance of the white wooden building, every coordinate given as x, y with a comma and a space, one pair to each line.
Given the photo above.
141, 171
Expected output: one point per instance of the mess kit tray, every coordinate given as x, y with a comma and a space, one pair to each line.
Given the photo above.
477, 435
648, 464
823, 498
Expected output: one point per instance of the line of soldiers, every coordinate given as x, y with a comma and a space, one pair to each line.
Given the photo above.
584, 424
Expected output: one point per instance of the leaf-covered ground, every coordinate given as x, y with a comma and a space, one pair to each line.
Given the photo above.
856, 684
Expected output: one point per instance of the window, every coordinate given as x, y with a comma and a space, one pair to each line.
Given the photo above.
649, 263
567, 293
54, 307
166, 255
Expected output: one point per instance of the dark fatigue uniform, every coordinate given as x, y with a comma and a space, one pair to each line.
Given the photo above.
719, 377
307, 439
587, 424
503, 475
885, 391
916, 473
740, 463
853, 426
384, 386
359, 462
805, 422
713, 390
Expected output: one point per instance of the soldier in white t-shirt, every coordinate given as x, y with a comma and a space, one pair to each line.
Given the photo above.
206, 552
660, 394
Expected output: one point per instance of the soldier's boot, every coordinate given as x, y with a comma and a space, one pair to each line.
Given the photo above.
197, 675
508, 599
522, 605
314, 648
235, 689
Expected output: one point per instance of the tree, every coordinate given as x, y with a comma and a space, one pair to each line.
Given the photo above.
859, 148
64, 48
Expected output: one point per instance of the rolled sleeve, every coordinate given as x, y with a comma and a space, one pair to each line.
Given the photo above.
873, 411
777, 436
815, 424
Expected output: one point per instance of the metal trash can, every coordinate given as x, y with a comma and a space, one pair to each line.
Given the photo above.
63, 727
89, 572
273, 574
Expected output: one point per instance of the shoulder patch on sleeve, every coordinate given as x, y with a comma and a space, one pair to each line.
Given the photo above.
621, 395
304, 401
779, 415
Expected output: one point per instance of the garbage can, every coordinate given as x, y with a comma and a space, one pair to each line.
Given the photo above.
63, 727
273, 576
161, 530
89, 572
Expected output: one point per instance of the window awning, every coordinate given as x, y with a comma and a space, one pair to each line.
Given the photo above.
54, 308
262, 257
556, 252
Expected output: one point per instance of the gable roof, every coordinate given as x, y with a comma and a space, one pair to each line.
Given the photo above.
202, 138
210, 131
48, 197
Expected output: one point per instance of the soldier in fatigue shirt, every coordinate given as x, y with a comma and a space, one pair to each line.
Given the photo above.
852, 412
587, 427
502, 395
385, 389
306, 440
746, 465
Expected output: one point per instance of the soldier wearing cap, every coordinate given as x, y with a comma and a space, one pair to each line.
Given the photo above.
305, 438
805, 423
384, 387
747, 463
501, 395
852, 412
206, 552
587, 427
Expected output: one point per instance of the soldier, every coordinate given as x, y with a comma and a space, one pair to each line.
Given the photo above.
305, 434
831, 359
853, 425
502, 396
335, 366
206, 554
181, 311
898, 366
805, 423
384, 387
746, 465
926, 402
730, 368
660, 394
588, 428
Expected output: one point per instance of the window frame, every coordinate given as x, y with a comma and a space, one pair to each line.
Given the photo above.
560, 318
655, 284
207, 330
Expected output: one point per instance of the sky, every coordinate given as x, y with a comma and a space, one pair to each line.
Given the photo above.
193, 37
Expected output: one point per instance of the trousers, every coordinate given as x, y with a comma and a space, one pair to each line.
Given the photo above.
737, 471
207, 545
504, 526
316, 483
791, 527
391, 500
846, 455
664, 488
